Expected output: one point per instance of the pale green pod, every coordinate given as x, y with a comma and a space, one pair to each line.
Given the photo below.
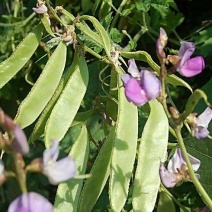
69, 101
152, 152
43, 89
99, 175
124, 151
68, 193
20, 56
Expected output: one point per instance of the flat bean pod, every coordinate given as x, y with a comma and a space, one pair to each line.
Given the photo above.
69, 102
44, 88
20, 56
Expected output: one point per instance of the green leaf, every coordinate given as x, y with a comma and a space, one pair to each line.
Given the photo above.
22, 54
68, 193
115, 35
165, 203
99, 175
124, 151
152, 151
69, 101
43, 89
176, 81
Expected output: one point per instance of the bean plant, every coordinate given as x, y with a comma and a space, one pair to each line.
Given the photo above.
100, 123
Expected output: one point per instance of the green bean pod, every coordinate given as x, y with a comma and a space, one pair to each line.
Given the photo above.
69, 102
44, 88
20, 56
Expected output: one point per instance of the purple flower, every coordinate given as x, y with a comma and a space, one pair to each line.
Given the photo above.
199, 128
57, 171
30, 202
140, 87
19, 144
189, 67
177, 169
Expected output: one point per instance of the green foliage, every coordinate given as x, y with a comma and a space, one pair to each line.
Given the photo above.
79, 99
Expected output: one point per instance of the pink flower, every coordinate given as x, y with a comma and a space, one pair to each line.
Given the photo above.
140, 87
177, 169
30, 202
189, 67
57, 171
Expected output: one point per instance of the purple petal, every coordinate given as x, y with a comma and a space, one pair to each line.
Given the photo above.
163, 37
125, 78
50, 155
186, 50
20, 143
168, 179
134, 93
204, 118
191, 67
176, 161
133, 69
60, 171
150, 84
201, 132
41, 9
30, 202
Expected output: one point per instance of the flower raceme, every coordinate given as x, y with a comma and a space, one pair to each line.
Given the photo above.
140, 86
183, 62
177, 170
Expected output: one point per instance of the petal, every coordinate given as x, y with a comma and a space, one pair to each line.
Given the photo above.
134, 93
176, 161
133, 69
204, 118
186, 50
40, 10
61, 170
20, 143
191, 67
150, 84
125, 78
32, 202
168, 179
201, 132
50, 155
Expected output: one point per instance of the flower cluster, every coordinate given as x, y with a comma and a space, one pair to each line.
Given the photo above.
182, 62
177, 170
140, 86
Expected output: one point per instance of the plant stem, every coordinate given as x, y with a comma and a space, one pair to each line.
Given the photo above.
196, 182
19, 170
